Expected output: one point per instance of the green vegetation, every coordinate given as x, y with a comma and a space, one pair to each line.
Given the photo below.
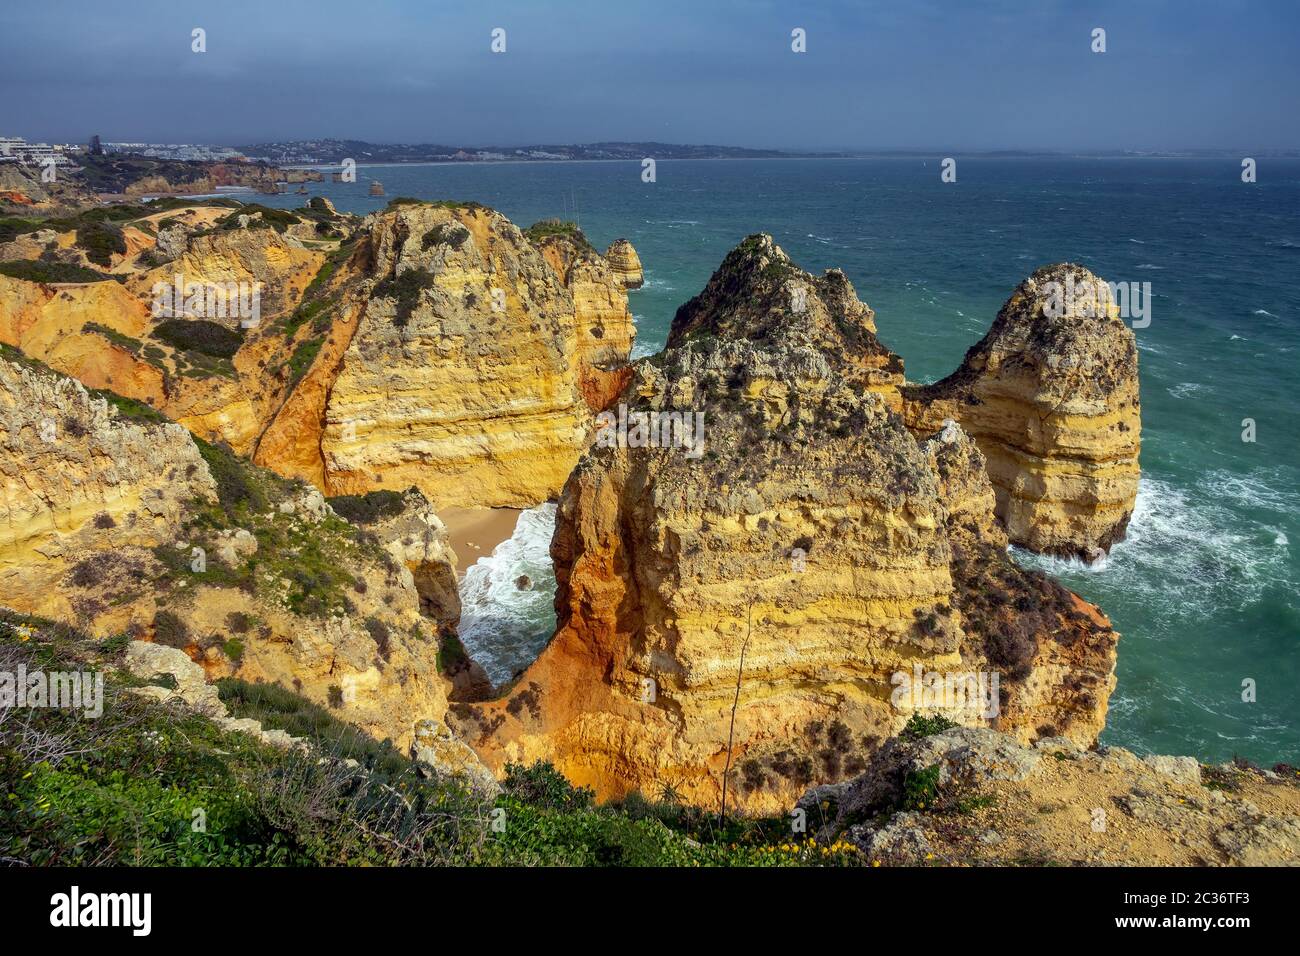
547, 228
920, 789
372, 507
36, 270
406, 289
919, 726
199, 335
277, 219
279, 709
452, 655
101, 240
303, 356
124, 789
134, 346
453, 234
303, 566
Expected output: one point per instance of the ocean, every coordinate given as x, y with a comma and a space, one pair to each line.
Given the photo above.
1204, 590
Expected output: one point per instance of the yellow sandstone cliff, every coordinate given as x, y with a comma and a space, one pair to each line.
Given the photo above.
113, 521
1051, 396
791, 563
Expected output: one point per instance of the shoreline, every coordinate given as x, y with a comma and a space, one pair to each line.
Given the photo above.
474, 533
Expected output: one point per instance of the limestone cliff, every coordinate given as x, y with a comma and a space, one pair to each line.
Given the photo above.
604, 326
461, 377
76, 480
791, 562
625, 263
1051, 396
433, 345
112, 520
218, 371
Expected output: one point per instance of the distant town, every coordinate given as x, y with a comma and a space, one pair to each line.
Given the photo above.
333, 151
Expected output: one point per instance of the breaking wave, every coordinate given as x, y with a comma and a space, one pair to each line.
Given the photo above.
504, 627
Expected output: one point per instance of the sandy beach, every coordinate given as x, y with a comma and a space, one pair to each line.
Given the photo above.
475, 532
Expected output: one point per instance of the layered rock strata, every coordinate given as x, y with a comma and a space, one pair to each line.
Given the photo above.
746, 601
119, 524
1051, 396
625, 263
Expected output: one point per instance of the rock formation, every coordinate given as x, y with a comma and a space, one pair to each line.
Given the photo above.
112, 520
966, 796
759, 295
625, 263
1051, 396
77, 480
605, 330
749, 599
432, 346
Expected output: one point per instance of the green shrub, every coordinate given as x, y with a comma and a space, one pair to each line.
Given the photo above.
920, 789
199, 335
170, 630
236, 487
453, 234
541, 785
32, 270
919, 726
369, 508
548, 228
101, 240
406, 289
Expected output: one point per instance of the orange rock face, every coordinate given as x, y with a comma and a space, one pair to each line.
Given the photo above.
749, 600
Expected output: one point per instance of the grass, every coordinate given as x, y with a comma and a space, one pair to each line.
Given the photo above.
124, 789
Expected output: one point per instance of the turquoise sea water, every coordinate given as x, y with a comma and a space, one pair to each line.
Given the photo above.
1204, 590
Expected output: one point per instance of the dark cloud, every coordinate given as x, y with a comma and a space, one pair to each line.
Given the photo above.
921, 73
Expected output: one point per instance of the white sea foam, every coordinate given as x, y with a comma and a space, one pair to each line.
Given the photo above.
504, 627
1187, 554
1187, 389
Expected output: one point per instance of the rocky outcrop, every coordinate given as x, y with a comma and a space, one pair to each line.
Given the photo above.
1051, 397
968, 796
461, 378
747, 598
759, 295
604, 326
122, 336
116, 525
411, 531
625, 264
78, 479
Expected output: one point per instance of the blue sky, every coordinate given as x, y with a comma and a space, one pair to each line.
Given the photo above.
971, 74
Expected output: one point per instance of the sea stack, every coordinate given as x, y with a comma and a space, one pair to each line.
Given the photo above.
1050, 394
791, 560
625, 263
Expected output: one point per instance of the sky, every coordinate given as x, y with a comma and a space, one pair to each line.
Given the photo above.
968, 74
